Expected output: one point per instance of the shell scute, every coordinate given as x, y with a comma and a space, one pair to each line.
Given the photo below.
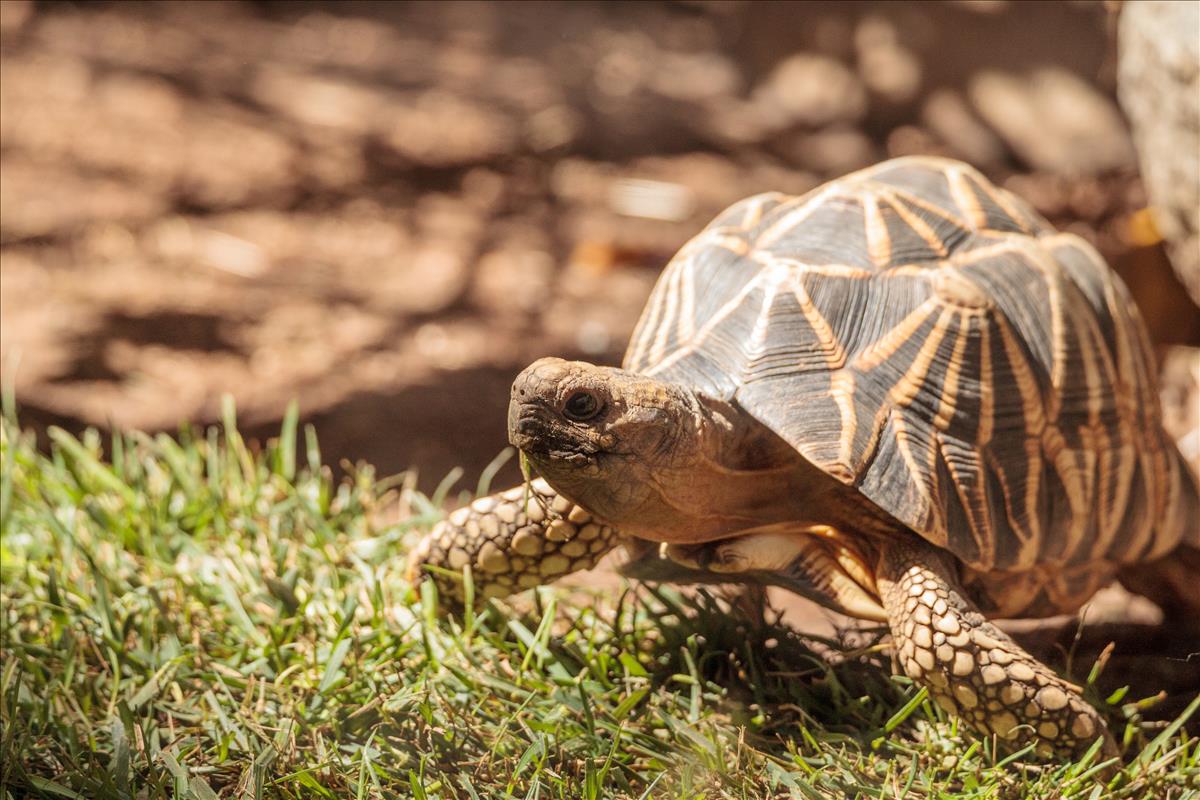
924, 336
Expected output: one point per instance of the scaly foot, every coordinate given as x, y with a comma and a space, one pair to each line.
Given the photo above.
513, 540
971, 667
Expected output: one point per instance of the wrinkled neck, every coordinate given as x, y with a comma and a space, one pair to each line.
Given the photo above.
726, 473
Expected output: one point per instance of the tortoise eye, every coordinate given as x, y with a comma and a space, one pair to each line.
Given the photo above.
581, 406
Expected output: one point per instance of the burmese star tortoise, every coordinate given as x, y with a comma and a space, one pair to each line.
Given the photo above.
903, 393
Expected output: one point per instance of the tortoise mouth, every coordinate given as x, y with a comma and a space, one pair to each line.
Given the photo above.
542, 440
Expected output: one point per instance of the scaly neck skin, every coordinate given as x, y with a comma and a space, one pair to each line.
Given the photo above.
726, 473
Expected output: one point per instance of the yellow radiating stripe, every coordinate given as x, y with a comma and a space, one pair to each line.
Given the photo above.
754, 210
835, 359
1005, 243
902, 394
663, 325
987, 383
1136, 540
1026, 555
649, 321
792, 218
928, 207
914, 470
687, 287
1110, 467
1090, 342
649, 329
722, 313
716, 237
987, 418
831, 270
913, 380
1078, 485
1034, 413
883, 349
762, 324
1051, 271
965, 198
1045, 416
841, 387
1087, 320
885, 409
918, 225
1031, 396
879, 241
835, 355
1002, 199
947, 402
925, 269
974, 507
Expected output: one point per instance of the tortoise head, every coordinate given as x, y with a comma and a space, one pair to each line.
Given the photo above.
598, 433
656, 460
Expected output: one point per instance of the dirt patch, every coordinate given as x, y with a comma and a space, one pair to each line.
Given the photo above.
387, 210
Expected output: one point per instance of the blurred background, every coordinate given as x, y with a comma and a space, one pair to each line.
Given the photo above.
386, 210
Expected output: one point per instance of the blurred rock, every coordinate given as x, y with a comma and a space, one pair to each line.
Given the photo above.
311, 99
912, 140
14, 14
439, 129
835, 149
695, 77
811, 90
42, 200
1159, 83
947, 115
983, 6
711, 183
139, 128
425, 282
552, 128
1053, 120
515, 277
887, 67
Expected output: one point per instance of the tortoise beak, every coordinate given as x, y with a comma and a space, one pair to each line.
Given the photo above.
533, 423
526, 430
534, 430
530, 426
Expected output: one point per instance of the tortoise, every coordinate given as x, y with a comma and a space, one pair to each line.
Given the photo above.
903, 393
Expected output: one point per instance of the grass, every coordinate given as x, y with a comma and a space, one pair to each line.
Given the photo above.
199, 618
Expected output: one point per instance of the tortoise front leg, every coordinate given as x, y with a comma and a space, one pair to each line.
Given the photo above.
513, 540
971, 667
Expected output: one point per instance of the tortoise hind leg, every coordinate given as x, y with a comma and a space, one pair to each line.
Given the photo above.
513, 540
971, 667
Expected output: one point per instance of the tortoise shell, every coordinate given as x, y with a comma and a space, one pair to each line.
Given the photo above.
926, 337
